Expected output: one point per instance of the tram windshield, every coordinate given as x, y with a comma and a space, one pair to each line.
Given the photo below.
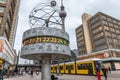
99, 63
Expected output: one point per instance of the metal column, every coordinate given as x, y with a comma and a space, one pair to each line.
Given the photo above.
46, 70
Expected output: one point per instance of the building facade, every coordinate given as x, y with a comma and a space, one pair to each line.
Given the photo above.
102, 39
8, 26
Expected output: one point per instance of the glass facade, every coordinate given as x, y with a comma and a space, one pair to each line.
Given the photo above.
0, 20
3, 1
2, 9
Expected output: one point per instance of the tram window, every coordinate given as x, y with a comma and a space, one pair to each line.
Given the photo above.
86, 67
0, 67
79, 66
99, 63
51, 68
61, 67
83, 66
67, 67
72, 67
90, 66
55, 68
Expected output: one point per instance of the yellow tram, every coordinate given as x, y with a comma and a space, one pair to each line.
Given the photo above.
84, 67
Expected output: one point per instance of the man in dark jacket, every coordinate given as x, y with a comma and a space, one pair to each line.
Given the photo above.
2, 73
104, 70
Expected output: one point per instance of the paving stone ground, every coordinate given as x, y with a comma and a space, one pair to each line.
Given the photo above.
114, 75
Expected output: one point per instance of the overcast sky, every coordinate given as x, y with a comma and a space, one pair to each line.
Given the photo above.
74, 9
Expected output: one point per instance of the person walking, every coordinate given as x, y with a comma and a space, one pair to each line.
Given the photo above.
104, 70
57, 71
52, 77
98, 72
2, 73
31, 72
109, 69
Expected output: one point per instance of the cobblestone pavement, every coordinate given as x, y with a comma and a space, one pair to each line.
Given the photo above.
115, 75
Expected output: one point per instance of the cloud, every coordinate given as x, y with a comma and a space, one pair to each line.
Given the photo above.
74, 9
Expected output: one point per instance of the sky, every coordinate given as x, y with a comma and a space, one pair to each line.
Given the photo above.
74, 9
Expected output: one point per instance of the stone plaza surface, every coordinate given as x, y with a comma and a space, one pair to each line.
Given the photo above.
114, 75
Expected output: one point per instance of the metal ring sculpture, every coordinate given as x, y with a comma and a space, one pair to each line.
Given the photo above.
45, 15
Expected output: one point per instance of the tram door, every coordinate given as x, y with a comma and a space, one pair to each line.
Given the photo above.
90, 69
68, 69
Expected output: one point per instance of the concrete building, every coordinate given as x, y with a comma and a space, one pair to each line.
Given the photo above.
8, 26
99, 37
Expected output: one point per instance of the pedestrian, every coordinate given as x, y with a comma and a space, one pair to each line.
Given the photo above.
104, 70
109, 69
57, 71
37, 72
31, 72
98, 72
52, 77
23, 72
16, 71
2, 73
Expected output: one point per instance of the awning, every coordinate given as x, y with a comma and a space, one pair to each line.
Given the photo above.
111, 59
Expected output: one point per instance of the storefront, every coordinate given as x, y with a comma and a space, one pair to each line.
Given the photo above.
110, 58
6, 54
113, 63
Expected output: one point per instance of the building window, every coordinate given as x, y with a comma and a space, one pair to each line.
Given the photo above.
101, 34
116, 26
102, 47
3, 1
113, 35
110, 24
97, 30
7, 27
106, 27
103, 17
94, 20
112, 29
104, 22
109, 19
119, 23
100, 41
5, 35
114, 21
2, 9
96, 24
0, 20
108, 33
117, 31
110, 40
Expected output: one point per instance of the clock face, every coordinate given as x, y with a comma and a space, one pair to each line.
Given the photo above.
45, 15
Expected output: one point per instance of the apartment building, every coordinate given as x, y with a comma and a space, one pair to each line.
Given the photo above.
8, 26
99, 37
